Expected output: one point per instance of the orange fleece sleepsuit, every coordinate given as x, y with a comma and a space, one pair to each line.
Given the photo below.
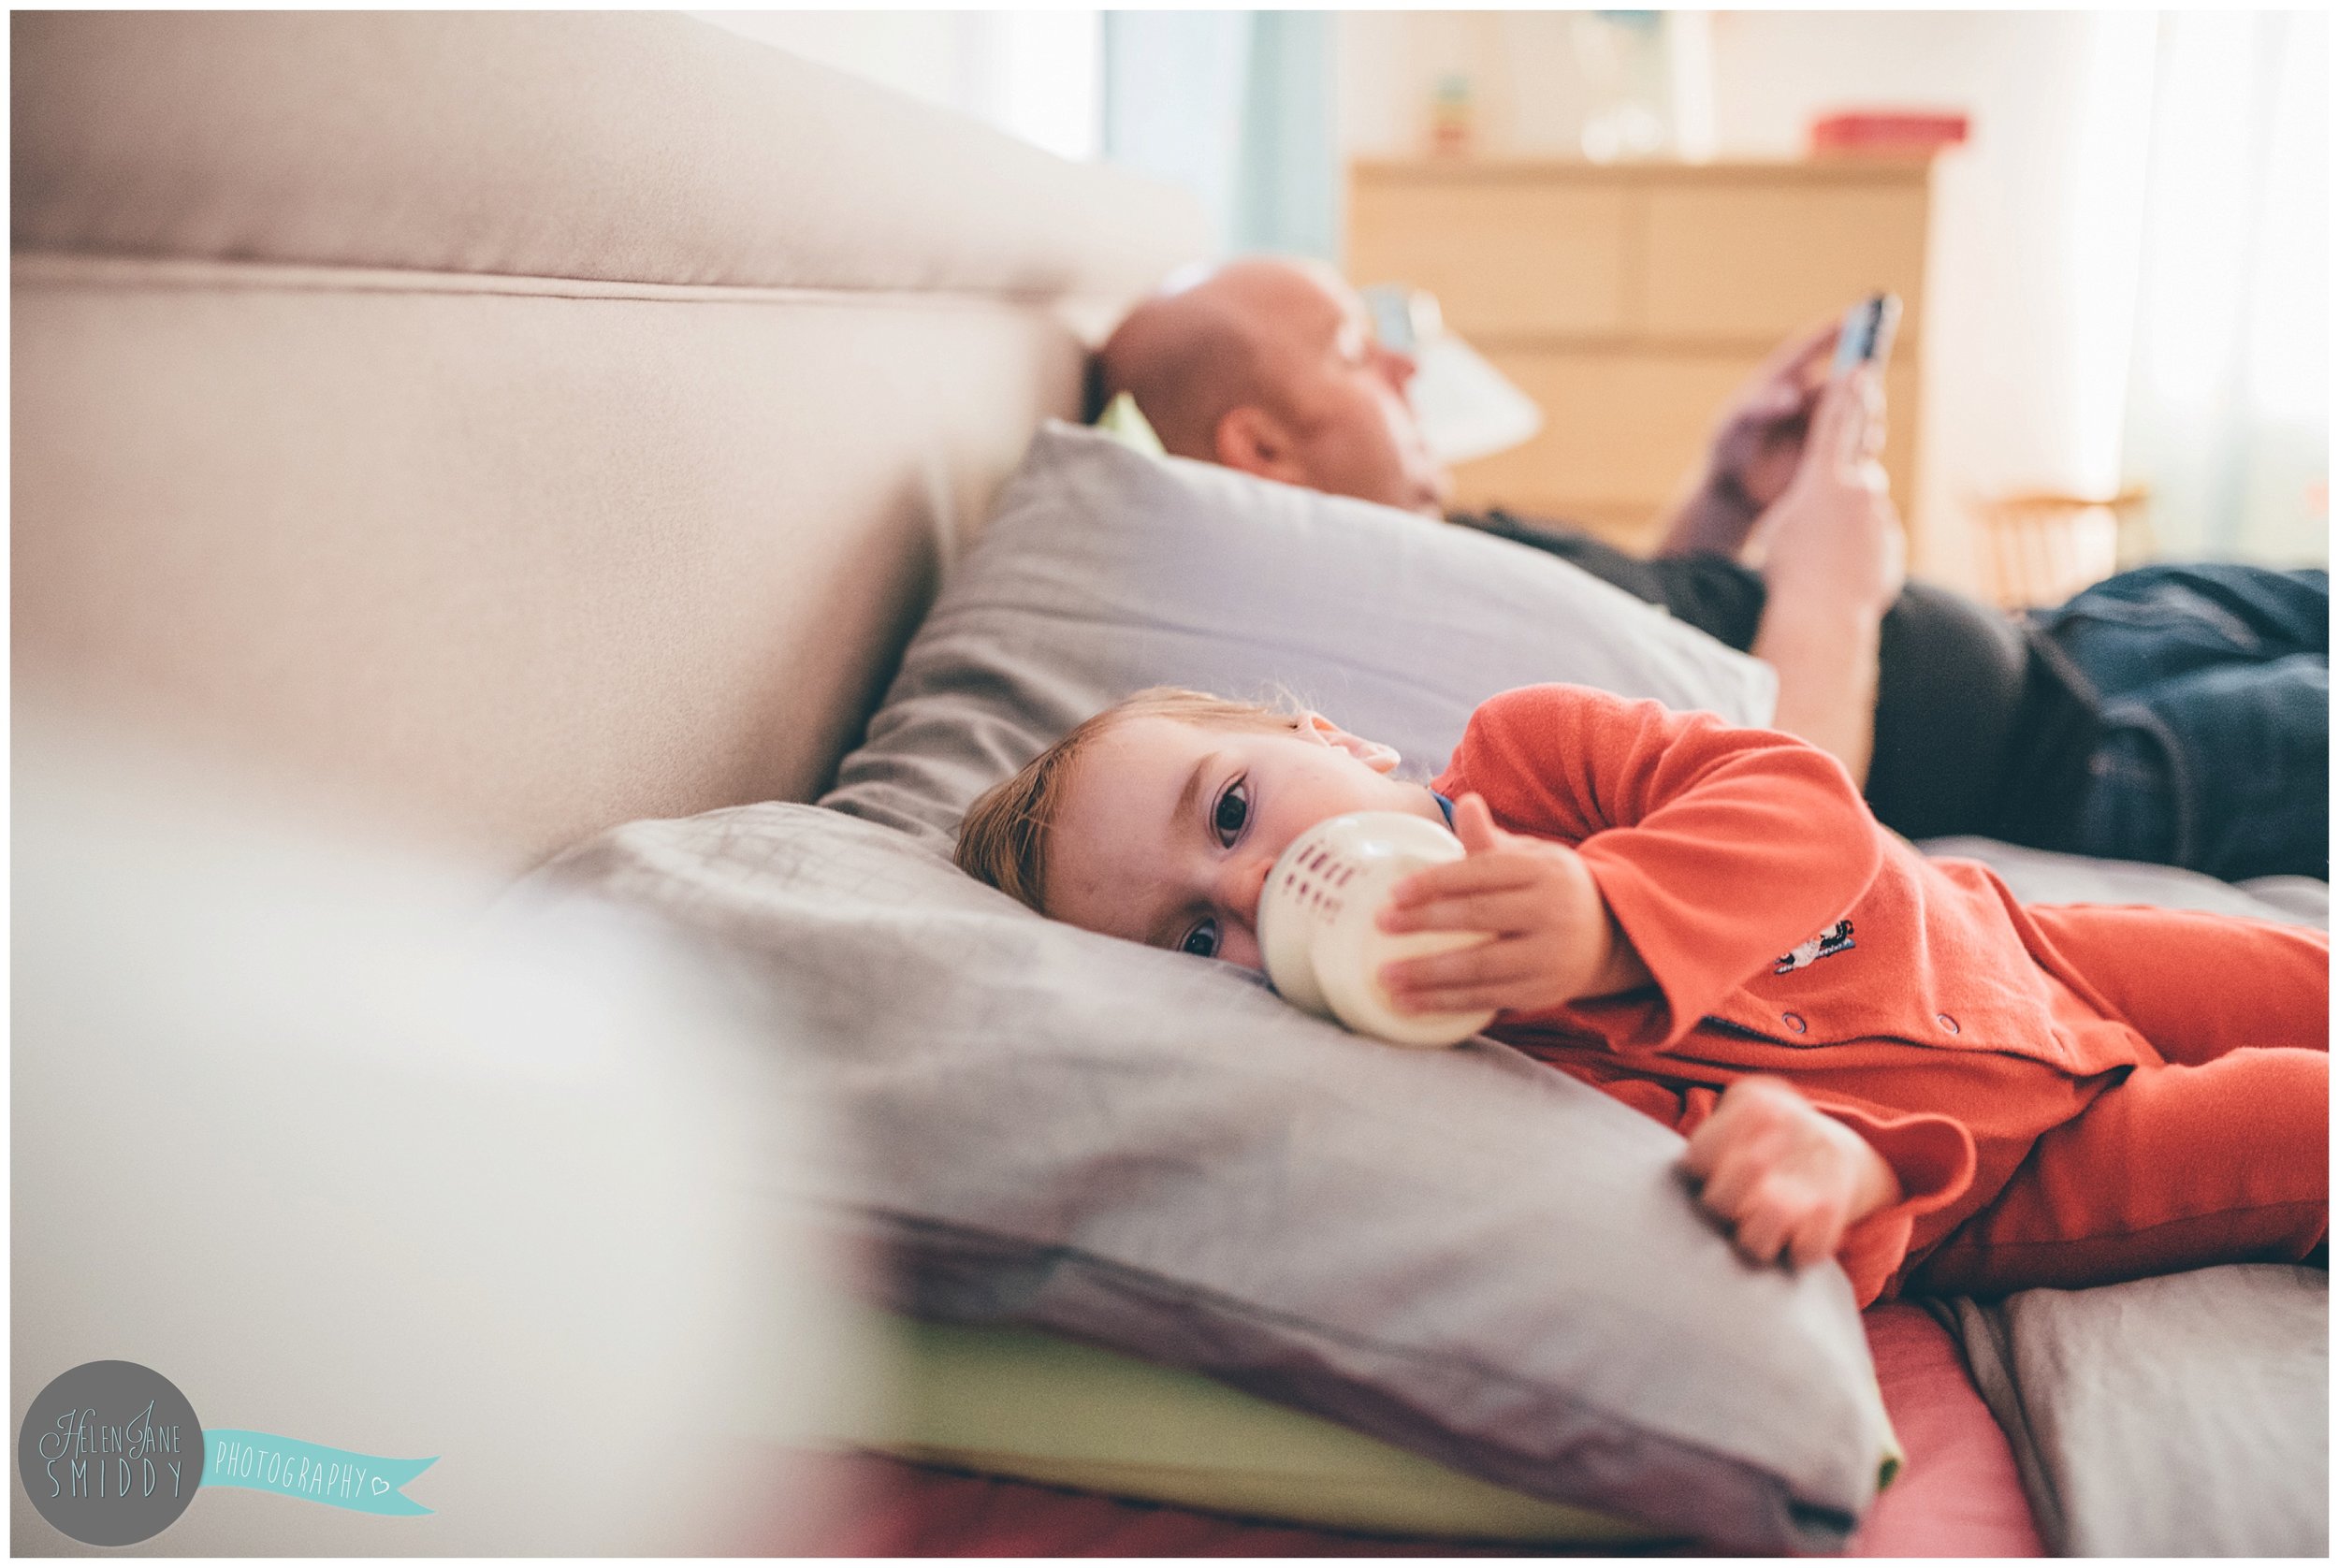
2069, 1095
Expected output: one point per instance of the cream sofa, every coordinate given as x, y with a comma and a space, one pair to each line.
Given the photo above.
531, 421
464, 431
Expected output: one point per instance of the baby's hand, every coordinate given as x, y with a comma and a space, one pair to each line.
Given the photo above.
1554, 939
1789, 1178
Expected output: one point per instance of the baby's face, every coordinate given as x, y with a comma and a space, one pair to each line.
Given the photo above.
1167, 830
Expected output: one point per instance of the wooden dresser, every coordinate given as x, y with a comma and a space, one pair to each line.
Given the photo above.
1629, 300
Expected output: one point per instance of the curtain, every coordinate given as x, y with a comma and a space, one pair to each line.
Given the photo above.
1237, 106
2229, 394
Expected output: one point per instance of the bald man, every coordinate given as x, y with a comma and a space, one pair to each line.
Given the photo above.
2176, 713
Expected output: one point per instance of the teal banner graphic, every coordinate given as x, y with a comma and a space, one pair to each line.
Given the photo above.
291, 1468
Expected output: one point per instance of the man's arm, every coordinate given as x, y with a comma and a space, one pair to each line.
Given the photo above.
1824, 654
1757, 444
1713, 519
1833, 560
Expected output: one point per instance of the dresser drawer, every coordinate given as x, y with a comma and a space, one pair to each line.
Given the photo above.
1505, 257
1754, 262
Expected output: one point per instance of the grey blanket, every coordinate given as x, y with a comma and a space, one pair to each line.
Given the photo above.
2185, 1417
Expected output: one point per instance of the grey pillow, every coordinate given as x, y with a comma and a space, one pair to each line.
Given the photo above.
1104, 569
1462, 1253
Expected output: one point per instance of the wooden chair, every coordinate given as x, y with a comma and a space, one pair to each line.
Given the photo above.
2040, 547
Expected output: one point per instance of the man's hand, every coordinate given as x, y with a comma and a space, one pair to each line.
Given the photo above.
1554, 939
1756, 446
1832, 540
1758, 442
1833, 560
1788, 1178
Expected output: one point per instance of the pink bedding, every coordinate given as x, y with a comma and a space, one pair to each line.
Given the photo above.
1957, 1495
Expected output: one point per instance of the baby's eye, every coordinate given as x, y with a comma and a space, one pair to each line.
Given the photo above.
1231, 812
1202, 941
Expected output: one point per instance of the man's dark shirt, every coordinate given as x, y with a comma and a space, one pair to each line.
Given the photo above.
1982, 725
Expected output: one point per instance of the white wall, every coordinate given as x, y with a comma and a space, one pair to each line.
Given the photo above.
1032, 74
1536, 76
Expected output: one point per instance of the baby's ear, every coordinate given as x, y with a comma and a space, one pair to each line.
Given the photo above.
1372, 753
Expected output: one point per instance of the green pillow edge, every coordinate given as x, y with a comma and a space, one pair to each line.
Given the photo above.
1126, 423
1029, 1405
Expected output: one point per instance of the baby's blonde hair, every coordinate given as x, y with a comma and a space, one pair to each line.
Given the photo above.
1004, 837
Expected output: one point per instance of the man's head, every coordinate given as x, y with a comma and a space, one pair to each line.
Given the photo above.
1270, 366
1160, 819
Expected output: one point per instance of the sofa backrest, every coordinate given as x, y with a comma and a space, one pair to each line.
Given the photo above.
525, 422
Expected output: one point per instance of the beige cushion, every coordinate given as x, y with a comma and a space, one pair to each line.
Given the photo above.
645, 148
516, 566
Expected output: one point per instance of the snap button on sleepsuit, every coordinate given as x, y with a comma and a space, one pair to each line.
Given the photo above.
1945, 1021
1793, 1020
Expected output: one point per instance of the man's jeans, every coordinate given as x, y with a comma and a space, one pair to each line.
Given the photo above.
2215, 682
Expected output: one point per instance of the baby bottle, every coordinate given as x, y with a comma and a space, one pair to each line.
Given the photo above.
1322, 943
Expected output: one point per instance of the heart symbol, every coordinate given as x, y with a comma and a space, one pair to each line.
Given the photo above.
380, 1485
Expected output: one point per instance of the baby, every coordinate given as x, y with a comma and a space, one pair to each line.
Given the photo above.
1874, 1056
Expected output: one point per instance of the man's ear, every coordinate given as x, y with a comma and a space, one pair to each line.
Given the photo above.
1253, 440
1372, 753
